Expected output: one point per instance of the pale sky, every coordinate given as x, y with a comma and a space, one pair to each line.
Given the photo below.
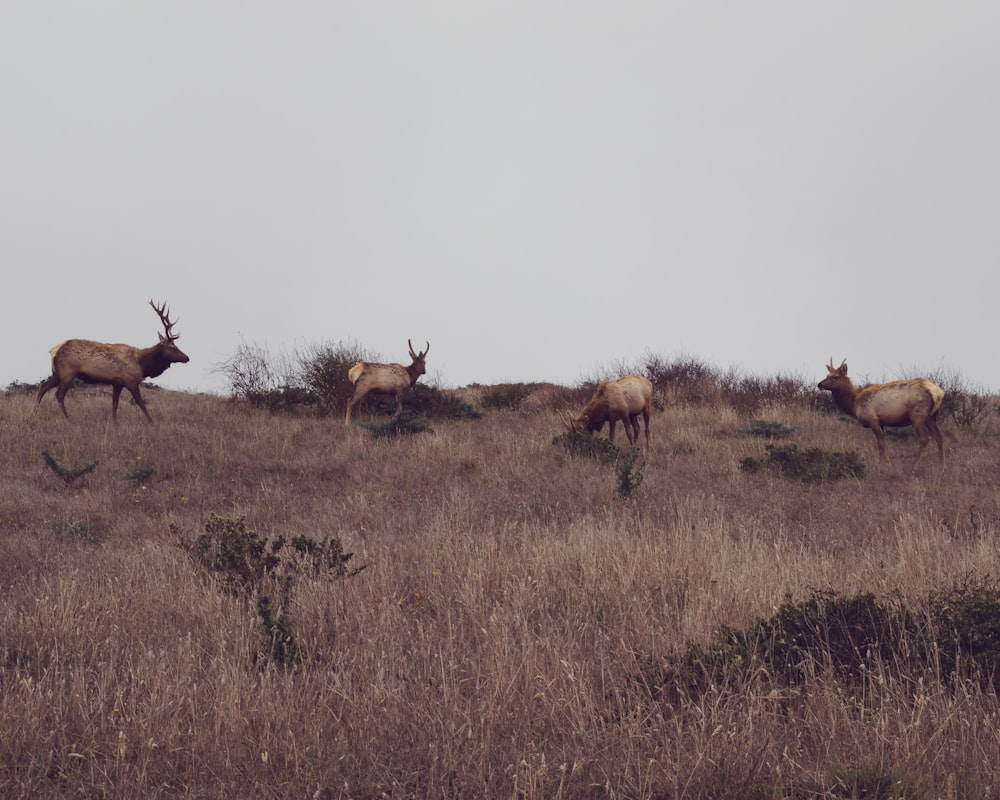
537, 188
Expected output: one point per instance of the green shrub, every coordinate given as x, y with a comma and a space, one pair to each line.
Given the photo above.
810, 466
141, 475
586, 445
965, 620
846, 637
434, 403
239, 557
405, 423
68, 474
20, 387
250, 565
767, 429
628, 473
955, 636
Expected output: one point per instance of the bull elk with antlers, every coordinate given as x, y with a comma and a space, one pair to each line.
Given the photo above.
117, 365
392, 379
897, 404
620, 399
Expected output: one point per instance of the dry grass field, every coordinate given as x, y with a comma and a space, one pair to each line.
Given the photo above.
518, 627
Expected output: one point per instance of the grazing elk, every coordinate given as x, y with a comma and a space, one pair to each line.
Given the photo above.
620, 399
385, 379
117, 365
897, 404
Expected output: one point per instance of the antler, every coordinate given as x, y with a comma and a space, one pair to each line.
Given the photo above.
416, 355
164, 313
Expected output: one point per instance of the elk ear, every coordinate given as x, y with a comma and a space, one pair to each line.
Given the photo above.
842, 369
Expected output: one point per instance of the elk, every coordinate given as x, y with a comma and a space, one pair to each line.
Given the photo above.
117, 365
385, 379
622, 399
897, 404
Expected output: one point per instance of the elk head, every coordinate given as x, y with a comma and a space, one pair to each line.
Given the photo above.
419, 366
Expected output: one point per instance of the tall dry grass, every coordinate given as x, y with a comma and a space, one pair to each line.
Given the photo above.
494, 643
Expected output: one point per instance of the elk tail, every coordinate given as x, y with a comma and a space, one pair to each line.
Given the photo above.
937, 396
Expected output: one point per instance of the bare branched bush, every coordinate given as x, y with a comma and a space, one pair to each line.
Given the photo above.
259, 377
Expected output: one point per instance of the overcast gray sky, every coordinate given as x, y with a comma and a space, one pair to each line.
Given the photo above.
537, 188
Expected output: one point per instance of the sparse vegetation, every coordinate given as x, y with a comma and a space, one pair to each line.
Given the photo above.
519, 631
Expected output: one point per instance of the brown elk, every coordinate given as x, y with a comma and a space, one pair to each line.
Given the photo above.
117, 365
622, 399
897, 404
392, 379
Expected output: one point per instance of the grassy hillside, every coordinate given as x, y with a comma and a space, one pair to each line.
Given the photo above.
519, 630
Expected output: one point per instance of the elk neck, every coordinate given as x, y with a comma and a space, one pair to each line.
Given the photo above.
844, 395
414, 372
153, 361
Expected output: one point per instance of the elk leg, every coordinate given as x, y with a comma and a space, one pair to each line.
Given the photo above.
138, 401
645, 418
50, 383
353, 403
61, 396
936, 433
399, 403
611, 430
880, 441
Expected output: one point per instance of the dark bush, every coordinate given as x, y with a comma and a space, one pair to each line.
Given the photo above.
767, 429
435, 403
845, 637
966, 623
506, 396
405, 423
956, 637
811, 466
586, 445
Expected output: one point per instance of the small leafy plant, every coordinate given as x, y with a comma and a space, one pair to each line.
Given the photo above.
405, 423
768, 429
628, 473
140, 476
249, 564
810, 466
68, 474
585, 445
